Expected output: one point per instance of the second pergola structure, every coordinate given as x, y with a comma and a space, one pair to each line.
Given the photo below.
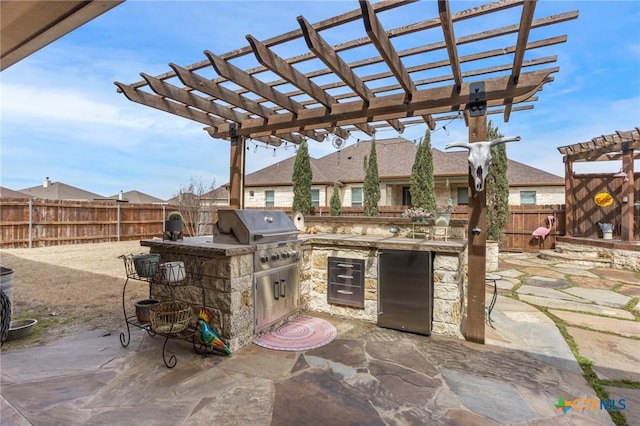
623, 146
260, 95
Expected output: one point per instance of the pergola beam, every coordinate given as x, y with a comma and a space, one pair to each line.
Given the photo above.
429, 101
381, 41
163, 104
526, 20
450, 41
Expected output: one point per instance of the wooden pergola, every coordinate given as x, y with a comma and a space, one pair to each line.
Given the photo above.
320, 92
621, 146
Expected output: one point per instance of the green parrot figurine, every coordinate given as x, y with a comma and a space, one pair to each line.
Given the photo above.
207, 335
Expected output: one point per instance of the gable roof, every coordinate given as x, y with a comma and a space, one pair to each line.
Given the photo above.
10, 193
60, 191
137, 197
395, 160
281, 172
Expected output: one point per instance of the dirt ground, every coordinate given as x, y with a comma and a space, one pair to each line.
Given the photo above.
71, 288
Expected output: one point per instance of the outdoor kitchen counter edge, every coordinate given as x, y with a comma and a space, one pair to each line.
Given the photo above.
201, 245
397, 243
204, 245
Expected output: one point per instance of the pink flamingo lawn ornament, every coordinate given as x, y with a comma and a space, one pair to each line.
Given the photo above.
541, 232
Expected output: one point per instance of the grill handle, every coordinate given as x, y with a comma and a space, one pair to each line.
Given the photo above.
257, 237
349, 277
276, 290
345, 265
344, 292
283, 288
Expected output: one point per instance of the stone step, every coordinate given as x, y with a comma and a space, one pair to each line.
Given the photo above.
576, 258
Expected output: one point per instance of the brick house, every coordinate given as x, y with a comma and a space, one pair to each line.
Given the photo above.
271, 186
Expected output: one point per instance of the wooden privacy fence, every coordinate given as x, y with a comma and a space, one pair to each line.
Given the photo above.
587, 213
38, 223
523, 221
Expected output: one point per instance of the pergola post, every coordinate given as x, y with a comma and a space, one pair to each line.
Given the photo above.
477, 248
569, 196
627, 194
236, 178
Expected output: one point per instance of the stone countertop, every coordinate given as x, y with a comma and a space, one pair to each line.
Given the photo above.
379, 242
205, 245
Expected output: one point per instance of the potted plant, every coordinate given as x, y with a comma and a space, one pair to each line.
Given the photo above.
442, 215
416, 214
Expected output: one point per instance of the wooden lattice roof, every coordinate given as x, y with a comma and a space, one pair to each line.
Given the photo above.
255, 92
604, 148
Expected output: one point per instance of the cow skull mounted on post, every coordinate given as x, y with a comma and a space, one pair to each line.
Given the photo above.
480, 157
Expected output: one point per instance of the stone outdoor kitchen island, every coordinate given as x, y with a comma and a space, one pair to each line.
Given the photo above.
228, 286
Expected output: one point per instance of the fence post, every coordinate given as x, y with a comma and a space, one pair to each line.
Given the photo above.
30, 222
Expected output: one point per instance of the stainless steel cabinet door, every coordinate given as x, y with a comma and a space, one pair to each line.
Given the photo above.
405, 290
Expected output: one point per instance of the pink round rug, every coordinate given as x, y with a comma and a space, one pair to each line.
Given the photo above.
300, 334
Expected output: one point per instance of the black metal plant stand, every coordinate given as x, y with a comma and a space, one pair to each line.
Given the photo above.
175, 319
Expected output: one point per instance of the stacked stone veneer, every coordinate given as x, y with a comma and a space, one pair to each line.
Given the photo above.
225, 289
585, 253
448, 281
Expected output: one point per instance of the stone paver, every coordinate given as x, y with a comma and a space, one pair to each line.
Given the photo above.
547, 292
621, 327
544, 272
511, 273
631, 401
629, 277
578, 307
581, 272
614, 357
518, 324
571, 266
546, 282
586, 282
630, 290
601, 297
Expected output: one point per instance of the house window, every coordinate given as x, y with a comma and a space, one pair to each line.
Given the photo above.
406, 196
315, 198
269, 199
527, 197
463, 196
356, 197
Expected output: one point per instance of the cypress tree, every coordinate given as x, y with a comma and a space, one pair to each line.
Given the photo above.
371, 183
497, 187
335, 203
301, 179
423, 194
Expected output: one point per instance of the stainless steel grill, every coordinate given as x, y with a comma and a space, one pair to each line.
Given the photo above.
276, 284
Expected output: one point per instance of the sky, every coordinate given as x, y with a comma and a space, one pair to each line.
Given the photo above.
61, 116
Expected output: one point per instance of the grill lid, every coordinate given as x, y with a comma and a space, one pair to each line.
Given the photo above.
256, 226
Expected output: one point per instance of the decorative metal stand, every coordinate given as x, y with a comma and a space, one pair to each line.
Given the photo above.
171, 318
